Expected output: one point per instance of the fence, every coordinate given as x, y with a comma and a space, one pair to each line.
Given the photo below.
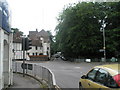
39, 58
39, 72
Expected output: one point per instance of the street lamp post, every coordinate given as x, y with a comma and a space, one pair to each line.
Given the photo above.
104, 46
23, 42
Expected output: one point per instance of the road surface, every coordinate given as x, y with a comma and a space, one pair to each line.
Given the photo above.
67, 74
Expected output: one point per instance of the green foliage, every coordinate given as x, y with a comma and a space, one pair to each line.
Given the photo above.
52, 43
15, 30
78, 31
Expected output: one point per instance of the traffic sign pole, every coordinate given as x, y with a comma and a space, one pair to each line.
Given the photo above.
23, 42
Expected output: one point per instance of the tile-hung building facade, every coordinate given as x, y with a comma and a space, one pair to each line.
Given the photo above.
6, 75
40, 43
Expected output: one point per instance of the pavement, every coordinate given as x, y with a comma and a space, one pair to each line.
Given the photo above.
23, 83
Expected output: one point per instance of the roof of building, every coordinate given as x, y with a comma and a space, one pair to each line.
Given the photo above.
43, 33
37, 43
35, 35
17, 37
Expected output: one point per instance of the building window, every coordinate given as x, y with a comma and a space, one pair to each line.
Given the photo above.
28, 54
40, 53
36, 47
36, 53
33, 54
47, 48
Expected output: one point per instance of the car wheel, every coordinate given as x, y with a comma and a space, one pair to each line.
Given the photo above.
80, 86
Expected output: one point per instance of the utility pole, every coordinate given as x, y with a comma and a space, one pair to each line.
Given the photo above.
23, 47
104, 45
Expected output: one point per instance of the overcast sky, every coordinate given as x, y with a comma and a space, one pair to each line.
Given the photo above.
27, 15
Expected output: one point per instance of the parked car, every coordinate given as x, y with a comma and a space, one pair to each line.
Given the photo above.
56, 55
63, 58
103, 77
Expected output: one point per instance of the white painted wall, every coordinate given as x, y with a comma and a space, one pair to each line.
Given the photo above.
1, 58
18, 54
17, 50
40, 49
33, 50
10, 59
6, 75
46, 48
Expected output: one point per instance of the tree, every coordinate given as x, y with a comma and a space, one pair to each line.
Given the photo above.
16, 30
78, 31
113, 30
52, 43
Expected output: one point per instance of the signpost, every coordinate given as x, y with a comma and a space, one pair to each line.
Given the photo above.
101, 50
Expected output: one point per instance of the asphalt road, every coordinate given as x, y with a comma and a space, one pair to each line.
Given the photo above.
67, 74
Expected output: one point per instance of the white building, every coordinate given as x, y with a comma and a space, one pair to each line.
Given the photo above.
17, 51
40, 45
17, 47
6, 74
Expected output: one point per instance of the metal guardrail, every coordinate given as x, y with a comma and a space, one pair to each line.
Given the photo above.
37, 71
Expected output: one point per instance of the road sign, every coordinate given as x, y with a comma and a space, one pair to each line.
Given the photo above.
24, 66
30, 66
101, 50
27, 66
